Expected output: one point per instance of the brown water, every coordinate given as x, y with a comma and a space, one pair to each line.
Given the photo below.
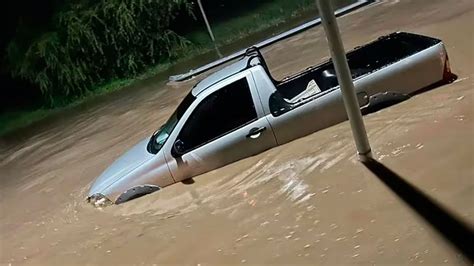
306, 202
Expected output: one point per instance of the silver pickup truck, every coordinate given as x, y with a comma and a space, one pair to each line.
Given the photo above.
240, 111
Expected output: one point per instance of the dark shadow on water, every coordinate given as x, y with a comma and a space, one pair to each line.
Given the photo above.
451, 228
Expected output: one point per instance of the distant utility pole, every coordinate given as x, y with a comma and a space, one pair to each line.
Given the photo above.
345, 79
209, 28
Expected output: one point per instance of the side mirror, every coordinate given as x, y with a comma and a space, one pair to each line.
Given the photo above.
178, 148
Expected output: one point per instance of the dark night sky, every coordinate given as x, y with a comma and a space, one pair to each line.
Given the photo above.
35, 14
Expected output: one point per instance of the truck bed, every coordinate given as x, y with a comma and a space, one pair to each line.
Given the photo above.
362, 61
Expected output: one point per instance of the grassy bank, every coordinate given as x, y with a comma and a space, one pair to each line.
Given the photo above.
267, 15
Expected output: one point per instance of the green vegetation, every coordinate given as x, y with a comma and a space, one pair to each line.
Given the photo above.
96, 47
96, 41
269, 14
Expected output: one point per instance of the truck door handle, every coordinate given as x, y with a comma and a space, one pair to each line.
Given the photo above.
255, 132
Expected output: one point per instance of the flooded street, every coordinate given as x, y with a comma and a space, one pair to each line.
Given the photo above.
306, 202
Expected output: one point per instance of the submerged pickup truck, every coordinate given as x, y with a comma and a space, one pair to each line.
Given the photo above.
240, 111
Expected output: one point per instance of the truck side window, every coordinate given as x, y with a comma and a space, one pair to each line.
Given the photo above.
223, 111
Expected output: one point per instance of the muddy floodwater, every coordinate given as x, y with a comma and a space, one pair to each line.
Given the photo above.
306, 202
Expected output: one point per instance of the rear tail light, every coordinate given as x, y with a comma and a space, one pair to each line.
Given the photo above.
448, 76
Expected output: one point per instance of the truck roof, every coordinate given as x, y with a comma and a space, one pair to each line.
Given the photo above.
223, 73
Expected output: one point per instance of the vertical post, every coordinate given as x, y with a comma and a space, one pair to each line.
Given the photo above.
344, 78
209, 28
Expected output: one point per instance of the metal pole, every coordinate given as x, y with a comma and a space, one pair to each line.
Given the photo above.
209, 28
345, 79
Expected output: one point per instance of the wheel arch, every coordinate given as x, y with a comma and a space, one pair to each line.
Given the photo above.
136, 192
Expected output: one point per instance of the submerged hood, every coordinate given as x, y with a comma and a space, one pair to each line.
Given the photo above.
132, 159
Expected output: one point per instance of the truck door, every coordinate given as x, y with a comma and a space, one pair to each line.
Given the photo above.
226, 126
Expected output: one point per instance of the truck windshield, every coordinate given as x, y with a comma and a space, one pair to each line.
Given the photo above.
158, 139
